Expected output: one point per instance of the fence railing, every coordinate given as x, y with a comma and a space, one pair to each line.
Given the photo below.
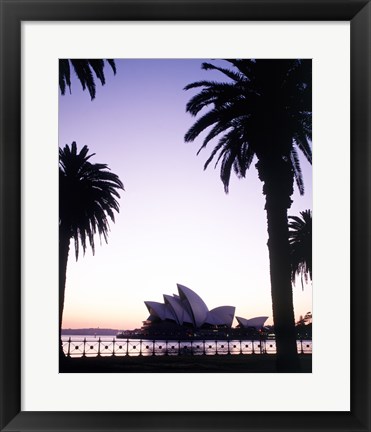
85, 347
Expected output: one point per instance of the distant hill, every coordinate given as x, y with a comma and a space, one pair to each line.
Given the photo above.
90, 331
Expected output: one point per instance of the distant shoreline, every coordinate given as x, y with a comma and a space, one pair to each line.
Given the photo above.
91, 331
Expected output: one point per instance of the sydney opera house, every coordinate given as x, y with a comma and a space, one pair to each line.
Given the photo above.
186, 313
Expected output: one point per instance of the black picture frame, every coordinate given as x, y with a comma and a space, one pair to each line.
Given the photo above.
12, 13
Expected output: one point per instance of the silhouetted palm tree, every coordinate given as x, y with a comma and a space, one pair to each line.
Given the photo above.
84, 70
87, 199
263, 110
300, 238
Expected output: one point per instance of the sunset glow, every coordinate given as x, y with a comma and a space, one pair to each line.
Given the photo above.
176, 224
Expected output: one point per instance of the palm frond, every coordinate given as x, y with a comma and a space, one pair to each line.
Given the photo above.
84, 71
88, 196
229, 158
221, 146
243, 65
295, 163
218, 94
262, 94
85, 76
112, 63
235, 76
64, 75
300, 240
304, 144
97, 66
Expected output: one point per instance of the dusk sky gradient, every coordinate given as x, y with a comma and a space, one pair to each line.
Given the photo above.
176, 224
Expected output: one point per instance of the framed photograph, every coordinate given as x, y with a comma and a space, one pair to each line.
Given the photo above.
152, 50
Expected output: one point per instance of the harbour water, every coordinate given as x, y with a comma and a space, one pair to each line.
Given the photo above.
92, 346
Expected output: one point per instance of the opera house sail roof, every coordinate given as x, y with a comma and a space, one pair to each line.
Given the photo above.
256, 322
186, 311
189, 308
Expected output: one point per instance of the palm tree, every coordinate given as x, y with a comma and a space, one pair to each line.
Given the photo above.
300, 239
262, 110
87, 199
84, 70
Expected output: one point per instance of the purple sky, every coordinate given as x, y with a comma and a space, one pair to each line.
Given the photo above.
176, 224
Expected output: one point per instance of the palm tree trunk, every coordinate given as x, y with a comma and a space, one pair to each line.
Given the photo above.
278, 187
282, 299
64, 247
